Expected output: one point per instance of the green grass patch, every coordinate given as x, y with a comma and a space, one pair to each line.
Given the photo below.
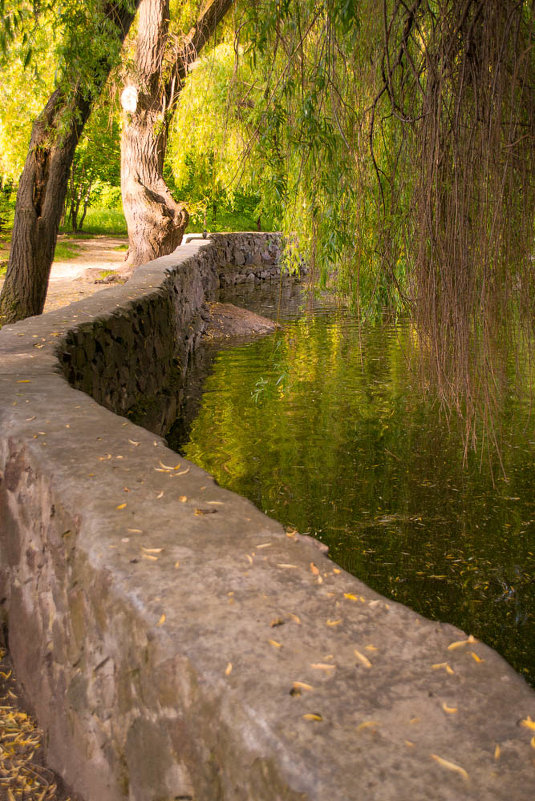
66, 250
105, 221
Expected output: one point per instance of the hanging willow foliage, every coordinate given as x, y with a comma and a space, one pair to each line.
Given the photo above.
400, 138
458, 78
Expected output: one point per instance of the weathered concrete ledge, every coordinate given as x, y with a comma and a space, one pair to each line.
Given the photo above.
178, 644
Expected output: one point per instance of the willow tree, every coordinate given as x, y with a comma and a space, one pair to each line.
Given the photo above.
402, 138
156, 221
92, 37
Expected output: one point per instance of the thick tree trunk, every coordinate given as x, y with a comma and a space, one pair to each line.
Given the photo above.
156, 222
43, 186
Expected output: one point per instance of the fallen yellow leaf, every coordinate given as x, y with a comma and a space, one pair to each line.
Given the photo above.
459, 643
370, 648
121, 506
314, 570
532, 741
152, 550
334, 622
366, 724
135, 530
528, 723
497, 752
160, 495
293, 567
182, 498
275, 644
228, 669
312, 716
295, 618
475, 657
444, 665
449, 709
149, 556
161, 621
183, 473
450, 765
133, 442
302, 685
350, 596
336, 570
177, 564
168, 467
265, 545
322, 666
363, 659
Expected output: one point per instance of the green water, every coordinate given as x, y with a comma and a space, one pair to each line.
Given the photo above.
325, 428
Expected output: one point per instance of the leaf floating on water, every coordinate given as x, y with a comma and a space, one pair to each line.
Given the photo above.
312, 716
322, 666
161, 621
459, 643
363, 659
450, 709
314, 570
121, 506
228, 669
528, 723
334, 622
475, 657
275, 644
450, 765
497, 752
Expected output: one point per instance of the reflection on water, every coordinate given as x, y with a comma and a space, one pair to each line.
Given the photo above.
325, 428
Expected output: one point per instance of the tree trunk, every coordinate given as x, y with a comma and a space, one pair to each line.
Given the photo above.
156, 222
43, 186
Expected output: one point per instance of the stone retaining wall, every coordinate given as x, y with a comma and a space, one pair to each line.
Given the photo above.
178, 644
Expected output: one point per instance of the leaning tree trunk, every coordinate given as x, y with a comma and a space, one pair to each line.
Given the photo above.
43, 186
156, 222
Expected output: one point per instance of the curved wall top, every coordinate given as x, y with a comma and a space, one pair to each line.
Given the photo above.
178, 644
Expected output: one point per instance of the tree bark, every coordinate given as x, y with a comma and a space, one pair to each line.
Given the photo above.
156, 222
43, 186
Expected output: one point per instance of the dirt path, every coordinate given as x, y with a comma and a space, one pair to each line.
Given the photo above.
74, 279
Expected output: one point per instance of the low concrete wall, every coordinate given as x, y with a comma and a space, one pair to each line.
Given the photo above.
178, 644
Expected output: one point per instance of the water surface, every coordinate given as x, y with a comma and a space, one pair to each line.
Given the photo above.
324, 427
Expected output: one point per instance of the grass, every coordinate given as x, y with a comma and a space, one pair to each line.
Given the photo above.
66, 250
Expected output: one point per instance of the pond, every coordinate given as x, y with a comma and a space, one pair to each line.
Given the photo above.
325, 427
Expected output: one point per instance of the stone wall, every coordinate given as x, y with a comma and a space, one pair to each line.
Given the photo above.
176, 643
